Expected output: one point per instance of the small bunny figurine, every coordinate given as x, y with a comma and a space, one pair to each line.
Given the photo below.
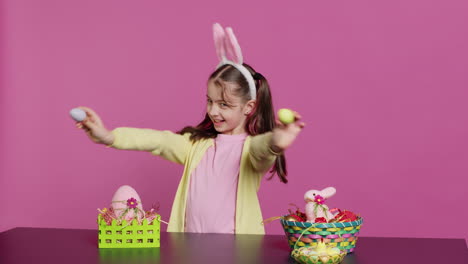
315, 206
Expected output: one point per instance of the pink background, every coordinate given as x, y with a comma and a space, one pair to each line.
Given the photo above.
382, 86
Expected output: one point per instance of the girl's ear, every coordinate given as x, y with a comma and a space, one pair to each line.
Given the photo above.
249, 107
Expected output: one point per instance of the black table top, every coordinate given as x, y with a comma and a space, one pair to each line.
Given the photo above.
49, 245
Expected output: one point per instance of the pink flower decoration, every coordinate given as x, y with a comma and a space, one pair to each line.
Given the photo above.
319, 199
132, 203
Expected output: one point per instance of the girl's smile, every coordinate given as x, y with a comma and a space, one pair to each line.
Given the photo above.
217, 122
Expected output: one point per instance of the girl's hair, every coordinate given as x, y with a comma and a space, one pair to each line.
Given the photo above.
260, 121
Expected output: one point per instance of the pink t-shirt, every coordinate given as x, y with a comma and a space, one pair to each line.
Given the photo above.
211, 200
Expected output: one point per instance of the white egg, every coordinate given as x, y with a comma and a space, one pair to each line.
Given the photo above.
78, 114
121, 202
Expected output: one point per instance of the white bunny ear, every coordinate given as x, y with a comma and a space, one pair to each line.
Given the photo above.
328, 192
232, 47
226, 44
219, 37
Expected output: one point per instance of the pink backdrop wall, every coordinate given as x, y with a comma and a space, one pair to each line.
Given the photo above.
382, 86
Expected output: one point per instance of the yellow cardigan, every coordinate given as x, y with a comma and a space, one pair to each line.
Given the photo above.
257, 157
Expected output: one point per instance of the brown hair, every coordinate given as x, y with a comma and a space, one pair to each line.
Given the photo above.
260, 121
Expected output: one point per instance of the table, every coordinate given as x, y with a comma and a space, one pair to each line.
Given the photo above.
49, 245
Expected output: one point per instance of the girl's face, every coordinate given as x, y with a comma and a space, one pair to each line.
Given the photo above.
228, 112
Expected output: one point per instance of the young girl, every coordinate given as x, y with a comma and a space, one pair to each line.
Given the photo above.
225, 156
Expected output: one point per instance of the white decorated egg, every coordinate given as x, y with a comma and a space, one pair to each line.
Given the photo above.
78, 114
126, 202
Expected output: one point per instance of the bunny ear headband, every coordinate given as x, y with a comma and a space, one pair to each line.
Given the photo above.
226, 45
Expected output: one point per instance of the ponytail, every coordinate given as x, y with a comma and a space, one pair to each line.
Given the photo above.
263, 120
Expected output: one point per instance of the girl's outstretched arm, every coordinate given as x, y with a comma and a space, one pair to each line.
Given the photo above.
94, 127
265, 147
285, 134
169, 145
262, 155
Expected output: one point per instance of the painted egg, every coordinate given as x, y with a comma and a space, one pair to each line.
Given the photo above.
78, 114
126, 202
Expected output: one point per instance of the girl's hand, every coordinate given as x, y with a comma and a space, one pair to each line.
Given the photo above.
94, 127
284, 135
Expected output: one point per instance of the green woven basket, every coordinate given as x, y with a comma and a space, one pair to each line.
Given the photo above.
129, 235
341, 235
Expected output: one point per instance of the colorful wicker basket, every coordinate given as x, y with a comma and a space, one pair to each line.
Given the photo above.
129, 235
341, 235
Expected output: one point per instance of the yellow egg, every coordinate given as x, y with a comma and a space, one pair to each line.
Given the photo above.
286, 116
333, 251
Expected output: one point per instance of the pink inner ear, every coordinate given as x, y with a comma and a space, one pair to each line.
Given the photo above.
219, 40
232, 47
